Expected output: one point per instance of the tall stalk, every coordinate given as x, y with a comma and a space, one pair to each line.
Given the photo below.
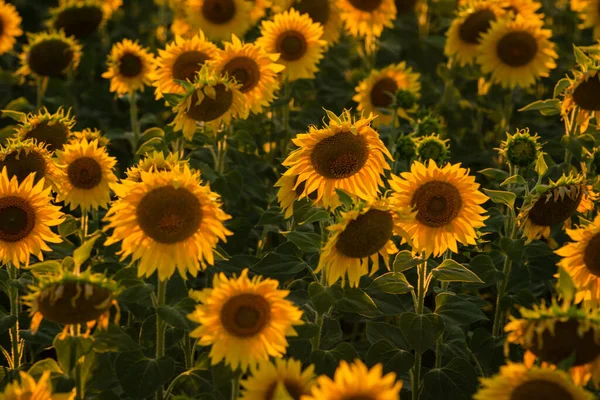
133, 116
14, 311
161, 296
419, 306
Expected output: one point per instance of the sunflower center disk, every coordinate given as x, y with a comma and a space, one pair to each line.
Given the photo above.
55, 135
405, 6
218, 11
211, 109
294, 389
366, 5
366, 235
383, 92
84, 173
188, 64
476, 24
566, 341
340, 156
437, 203
21, 164
540, 389
592, 255
517, 48
245, 71
291, 45
130, 65
245, 315
79, 21
317, 10
586, 96
50, 57
552, 212
17, 219
169, 215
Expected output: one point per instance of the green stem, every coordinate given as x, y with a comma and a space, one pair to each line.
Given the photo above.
133, 115
235, 385
285, 116
503, 284
316, 340
419, 306
188, 351
160, 328
14, 311
416, 377
42, 84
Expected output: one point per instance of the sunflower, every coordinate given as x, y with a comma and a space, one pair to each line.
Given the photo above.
521, 149
10, 26
464, 34
447, 204
553, 335
181, 60
90, 134
324, 12
49, 55
26, 215
253, 69
555, 205
51, 130
270, 378
245, 320
110, 6
259, 9
518, 382
378, 91
589, 13
219, 19
211, 99
517, 52
432, 147
346, 154
168, 220
130, 67
88, 174
362, 235
297, 39
28, 388
356, 381
526, 8
21, 158
580, 95
155, 161
367, 18
289, 192
78, 18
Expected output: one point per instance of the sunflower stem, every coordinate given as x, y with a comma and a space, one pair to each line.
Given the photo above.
133, 116
285, 116
419, 306
235, 385
42, 85
161, 296
14, 311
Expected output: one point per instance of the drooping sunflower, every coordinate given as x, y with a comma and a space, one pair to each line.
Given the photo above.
211, 100
356, 381
78, 18
447, 204
346, 154
219, 19
253, 69
589, 14
51, 130
26, 215
378, 91
521, 149
518, 382
432, 147
130, 67
324, 12
181, 60
580, 95
245, 320
553, 206
517, 52
10, 23
272, 378
155, 161
21, 158
367, 18
554, 334
28, 388
90, 134
167, 221
49, 55
297, 39
88, 174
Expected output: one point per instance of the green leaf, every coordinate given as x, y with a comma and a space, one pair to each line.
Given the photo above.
70, 350
172, 99
391, 282
513, 248
152, 133
451, 271
69, 226
345, 198
141, 376
392, 358
483, 266
455, 310
174, 317
358, 302
421, 331
566, 287
404, 260
312, 215
83, 252
113, 340
494, 173
545, 107
540, 165
515, 179
48, 364
19, 104
560, 87
7, 321
323, 297
501, 197
45, 267
580, 57
14, 115
455, 381
155, 143
307, 242
272, 216
276, 265
377, 331
326, 361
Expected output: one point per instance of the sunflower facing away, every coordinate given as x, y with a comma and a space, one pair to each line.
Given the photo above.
520, 149
253, 69
517, 52
589, 13
297, 39
155, 161
181, 60
10, 26
518, 382
52, 130
245, 320
90, 134
378, 91
167, 221
49, 55
367, 18
28, 388
581, 95
324, 12
270, 379
78, 18
346, 154
219, 19
447, 205
26, 215
356, 381
88, 173
130, 67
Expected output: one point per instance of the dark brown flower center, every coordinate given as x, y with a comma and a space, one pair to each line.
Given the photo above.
169, 215
79, 21
291, 45
540, 389
405, 6
592, 255
366, 235
130, 65
54, 135
210, 109
72, 302
84, 173
551, 212
21, 164
294, 389
475, 24
517, 48
218, 11
383, 92
366, 5
340, 156
17, 219
317, 10
437, 203
566, 341
245, 71
245, 315
50, 57
585, 94
188, 64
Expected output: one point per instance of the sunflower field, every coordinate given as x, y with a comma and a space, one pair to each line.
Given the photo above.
300, 199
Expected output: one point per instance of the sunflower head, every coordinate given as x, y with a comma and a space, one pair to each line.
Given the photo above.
10, 26
51, 130
367, 18
432, 147
219, 19
521, 149
324, 12
281, 376
155, 161
90, 134
130, 67
579, 95
406, 147
28, 388
589, 14
78, 18
429, 125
